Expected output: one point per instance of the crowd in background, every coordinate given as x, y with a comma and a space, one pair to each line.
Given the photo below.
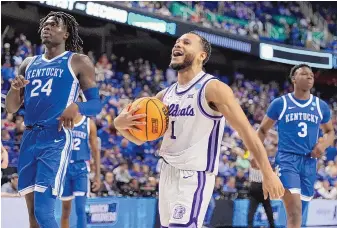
281, 22
131, 170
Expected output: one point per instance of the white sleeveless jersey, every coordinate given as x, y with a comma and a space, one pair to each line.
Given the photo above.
193, 138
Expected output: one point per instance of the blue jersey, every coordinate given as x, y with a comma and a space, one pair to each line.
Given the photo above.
298, 122
52, 87
81, 148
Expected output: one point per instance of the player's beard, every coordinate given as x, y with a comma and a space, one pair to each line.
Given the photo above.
186, 63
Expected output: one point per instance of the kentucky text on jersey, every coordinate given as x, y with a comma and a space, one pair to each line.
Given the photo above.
79, 134
301, 116
44, 72
174, 110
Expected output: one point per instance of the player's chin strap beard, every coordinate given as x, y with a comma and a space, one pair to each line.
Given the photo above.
187, 63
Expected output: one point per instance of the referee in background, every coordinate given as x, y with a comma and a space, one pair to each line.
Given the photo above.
256, 196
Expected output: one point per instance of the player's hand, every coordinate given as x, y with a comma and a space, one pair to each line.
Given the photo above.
19, 82
97, 184
68, 116
127, 120
272, 185
318, 150
254, 164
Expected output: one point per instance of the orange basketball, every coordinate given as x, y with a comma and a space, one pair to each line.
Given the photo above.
156, 118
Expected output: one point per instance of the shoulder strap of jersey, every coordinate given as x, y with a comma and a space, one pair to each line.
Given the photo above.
318, 105
31, 62
168, 89
88, 126
205, 109
284, 107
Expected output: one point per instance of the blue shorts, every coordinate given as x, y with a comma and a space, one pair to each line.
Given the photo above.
76, 181
43, 159
297, 173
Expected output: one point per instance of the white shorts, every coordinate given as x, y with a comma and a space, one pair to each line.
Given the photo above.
184, 196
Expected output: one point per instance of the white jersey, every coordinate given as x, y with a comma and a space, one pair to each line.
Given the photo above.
193, 138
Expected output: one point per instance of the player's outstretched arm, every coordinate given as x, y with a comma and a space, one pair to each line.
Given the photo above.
14, 98
95, 154
222, 98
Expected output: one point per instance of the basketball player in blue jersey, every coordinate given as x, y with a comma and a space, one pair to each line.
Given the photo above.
299, 116
76, 181
198, 104
48, 86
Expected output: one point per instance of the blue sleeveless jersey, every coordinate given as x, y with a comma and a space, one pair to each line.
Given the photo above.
52, 87
298, 124
81, 148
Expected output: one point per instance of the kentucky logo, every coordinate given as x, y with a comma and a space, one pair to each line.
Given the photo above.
174, 110
179, 212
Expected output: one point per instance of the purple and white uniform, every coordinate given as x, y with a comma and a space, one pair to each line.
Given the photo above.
190, 149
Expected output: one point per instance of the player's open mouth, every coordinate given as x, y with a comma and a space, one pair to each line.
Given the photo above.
177, 53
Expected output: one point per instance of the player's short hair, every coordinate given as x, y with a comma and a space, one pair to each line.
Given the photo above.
295, 68
206, 46
74, 42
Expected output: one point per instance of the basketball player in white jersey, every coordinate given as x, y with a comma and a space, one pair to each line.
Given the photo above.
197, 103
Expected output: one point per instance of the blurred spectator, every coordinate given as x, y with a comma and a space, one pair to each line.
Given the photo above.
230, 185
109, 186
10, 189
324, 190
122, 173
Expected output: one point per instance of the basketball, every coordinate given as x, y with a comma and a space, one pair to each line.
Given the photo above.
156, 118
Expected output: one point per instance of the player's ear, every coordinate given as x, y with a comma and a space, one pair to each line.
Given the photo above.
292, 78
203, 56
66, 35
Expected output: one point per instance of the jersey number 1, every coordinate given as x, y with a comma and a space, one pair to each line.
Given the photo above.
172, 134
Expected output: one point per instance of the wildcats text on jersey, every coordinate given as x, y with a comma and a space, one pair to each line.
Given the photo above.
174, 110
302, 117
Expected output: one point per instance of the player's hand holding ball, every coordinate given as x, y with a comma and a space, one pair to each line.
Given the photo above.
156, 118
272, 185
146, 119
128, 120
319, 149
19, 82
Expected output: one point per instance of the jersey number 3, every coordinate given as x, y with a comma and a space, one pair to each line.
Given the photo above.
45, 89
304, 129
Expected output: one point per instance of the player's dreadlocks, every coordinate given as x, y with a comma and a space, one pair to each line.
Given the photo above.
74, 41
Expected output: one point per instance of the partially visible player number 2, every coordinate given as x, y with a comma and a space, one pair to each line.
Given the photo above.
45, 89
304, 129
76, 145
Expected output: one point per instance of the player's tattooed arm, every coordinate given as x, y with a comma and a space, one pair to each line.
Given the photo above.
223, 98
14, 98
